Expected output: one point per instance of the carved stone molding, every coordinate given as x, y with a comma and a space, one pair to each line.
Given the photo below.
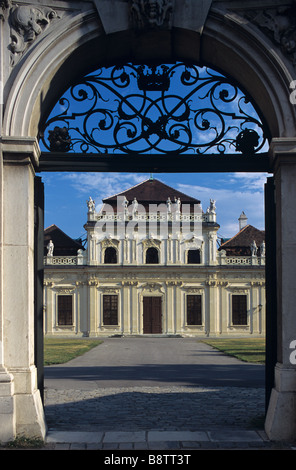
174, 283
27, 22
238, 290
109, 243
280, 26
4, 5
222, 283
48, 284
193, 290
65, 290
257, 283
147, 14
152, 287
150, 243
130, 283
110, 290
130, 277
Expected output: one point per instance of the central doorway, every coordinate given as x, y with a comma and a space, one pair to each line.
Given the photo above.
152, 315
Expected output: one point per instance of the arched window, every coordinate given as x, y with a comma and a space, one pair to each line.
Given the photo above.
134, 109
152, 256
193, 257
110, 256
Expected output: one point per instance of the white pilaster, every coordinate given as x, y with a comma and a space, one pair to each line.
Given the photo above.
23, 402
280, 421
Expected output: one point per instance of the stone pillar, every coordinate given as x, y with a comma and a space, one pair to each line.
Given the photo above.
19, 397
95, 318
134, 308
168, 313
125, 319
7, 404
281, 415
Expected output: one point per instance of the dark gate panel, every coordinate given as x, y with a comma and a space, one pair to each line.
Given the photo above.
38, 280
271, 288
152, 316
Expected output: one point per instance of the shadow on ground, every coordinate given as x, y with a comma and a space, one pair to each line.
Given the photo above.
164, 409
192, 375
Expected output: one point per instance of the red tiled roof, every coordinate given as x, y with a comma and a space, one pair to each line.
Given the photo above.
240, 243
152, 191
63, 244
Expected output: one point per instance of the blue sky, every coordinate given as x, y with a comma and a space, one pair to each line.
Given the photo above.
66, 195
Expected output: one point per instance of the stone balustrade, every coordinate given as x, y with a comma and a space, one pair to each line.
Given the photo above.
224, 260
61, 260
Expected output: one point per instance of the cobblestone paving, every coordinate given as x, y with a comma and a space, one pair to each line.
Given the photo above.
152, 408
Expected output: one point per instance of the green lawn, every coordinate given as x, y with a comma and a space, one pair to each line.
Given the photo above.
60, 350
248, 350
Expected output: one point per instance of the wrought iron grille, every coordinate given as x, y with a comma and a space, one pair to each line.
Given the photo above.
163, 109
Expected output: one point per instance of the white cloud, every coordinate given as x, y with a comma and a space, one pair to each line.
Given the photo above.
241, 192
251, 180
233, 192
102, 185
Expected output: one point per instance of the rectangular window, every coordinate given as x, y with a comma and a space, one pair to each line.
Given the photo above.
65, 310
194, 316
110, 309
239, 310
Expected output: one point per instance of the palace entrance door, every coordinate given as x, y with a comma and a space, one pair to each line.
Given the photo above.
152, 315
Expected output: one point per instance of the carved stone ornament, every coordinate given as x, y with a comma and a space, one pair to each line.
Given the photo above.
107, 242
280, 25
193, 290
26, 24
4, 5
65, 290
152, 287
149, 243
151, 14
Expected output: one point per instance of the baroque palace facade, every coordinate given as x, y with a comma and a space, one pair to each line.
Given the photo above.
152, 266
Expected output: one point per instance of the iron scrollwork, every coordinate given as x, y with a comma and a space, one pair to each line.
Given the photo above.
166, 109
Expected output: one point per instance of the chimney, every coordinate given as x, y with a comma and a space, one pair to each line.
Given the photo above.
243, 219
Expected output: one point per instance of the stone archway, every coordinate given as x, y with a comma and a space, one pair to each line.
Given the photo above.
38, 59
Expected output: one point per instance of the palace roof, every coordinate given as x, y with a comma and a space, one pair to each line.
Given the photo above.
63, 244
240, 243
152, 191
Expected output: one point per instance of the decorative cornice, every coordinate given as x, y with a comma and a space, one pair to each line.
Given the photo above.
20, 150
282, 152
